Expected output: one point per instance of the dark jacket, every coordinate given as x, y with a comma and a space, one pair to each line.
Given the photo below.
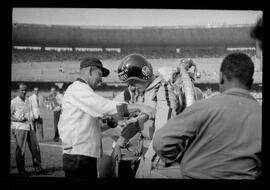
216, 138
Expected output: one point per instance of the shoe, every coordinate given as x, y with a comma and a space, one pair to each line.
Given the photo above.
56, 139
39, 170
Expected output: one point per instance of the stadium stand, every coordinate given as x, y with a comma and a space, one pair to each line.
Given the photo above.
24, 56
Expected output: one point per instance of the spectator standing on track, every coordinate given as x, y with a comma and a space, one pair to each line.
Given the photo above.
38, 122
80, 126
51, 98
22, 122
57, 112
216, 138
55, 99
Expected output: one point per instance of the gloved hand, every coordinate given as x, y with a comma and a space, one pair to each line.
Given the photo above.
110, 121
23, 119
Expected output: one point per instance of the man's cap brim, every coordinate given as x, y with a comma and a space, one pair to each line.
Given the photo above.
105, 72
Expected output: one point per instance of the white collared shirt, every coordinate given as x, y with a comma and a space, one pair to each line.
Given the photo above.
59, 98
33, 99
79, 126
21, 108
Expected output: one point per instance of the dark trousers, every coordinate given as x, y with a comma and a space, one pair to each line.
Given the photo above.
38, 127
56, 116
79, 166
21, 137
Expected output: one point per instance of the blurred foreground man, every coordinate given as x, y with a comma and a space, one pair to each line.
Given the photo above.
257, 34
38, 122
22, 122
80, 126
217, 138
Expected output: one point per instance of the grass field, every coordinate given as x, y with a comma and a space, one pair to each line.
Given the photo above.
51, 151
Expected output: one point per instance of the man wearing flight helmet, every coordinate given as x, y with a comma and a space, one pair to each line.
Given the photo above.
136, 70
193, 76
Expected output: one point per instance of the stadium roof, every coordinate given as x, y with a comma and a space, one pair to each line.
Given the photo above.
131, 36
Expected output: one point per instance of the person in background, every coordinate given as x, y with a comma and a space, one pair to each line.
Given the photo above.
38, 122
57, 112
54, 99
129, 95
51, 98
219, 137
80, 127
22, 122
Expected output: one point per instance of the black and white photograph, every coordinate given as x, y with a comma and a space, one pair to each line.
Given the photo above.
132, 93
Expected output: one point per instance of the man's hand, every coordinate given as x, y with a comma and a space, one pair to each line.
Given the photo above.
111, 122
116, 152
57, 108
149, 111
22, 118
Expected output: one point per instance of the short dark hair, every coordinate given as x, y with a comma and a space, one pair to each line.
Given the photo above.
257, 33
21, 84
240, 66
55, 87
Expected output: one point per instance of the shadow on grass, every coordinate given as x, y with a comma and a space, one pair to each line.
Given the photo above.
47, 172
52, 169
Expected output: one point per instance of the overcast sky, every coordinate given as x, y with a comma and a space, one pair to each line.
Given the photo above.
132, 17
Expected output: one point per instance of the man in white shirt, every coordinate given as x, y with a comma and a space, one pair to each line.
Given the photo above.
79, 125
56, 113
37, 122
22, 124
56, 109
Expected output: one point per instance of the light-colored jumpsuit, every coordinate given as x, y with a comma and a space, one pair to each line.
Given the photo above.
166, 103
